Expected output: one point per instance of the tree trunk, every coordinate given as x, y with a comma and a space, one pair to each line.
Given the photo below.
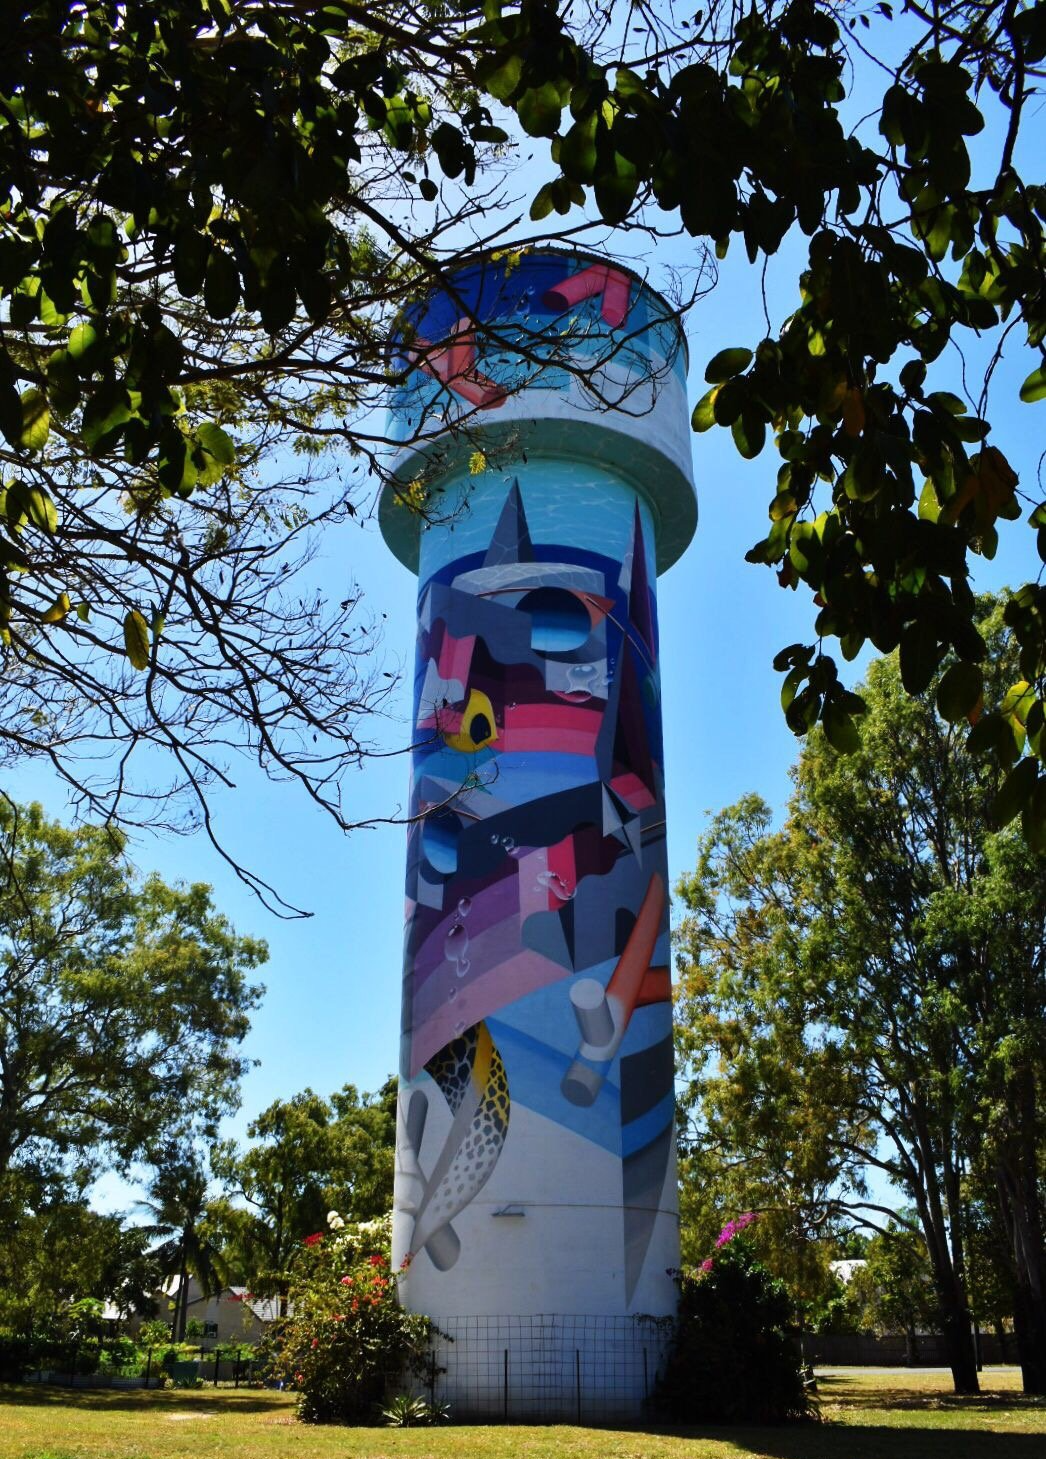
181, 1309
910, 1346
958, 1345
1029, 1324
1017, 1185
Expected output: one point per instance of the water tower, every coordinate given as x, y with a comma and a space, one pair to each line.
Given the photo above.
535, 1200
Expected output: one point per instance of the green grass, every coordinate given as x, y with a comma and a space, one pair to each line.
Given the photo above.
865, 1416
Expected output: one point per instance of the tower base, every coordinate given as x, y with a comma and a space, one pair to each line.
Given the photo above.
552, 1368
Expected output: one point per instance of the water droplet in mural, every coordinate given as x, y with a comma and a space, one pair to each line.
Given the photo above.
509, 844
460, 1027
452, 995
495, 840
464, 906
455, 949
556, 885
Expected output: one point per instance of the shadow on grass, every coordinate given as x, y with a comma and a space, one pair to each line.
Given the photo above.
873, 1441
928, 1400
141, 1400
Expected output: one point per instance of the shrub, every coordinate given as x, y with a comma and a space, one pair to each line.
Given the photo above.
346, 1336
734, 1359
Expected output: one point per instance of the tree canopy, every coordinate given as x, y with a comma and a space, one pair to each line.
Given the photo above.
210, 217
862, 990
307, 1156
122, 1005
753, 124
165, 331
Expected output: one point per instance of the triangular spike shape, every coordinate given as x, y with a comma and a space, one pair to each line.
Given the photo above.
511, 540
639, 614
611, 814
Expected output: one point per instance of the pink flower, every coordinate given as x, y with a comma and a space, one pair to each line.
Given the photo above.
734, 1228
706, 1265
346, 1281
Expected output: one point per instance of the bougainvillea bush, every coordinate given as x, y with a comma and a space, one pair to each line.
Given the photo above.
734, 1358
346, 1339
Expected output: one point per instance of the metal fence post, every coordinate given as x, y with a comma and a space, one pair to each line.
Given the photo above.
504, 1398
577, 1379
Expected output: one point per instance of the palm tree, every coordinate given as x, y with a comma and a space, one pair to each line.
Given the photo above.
178, 1201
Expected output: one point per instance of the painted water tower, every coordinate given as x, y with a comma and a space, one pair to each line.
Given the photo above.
535, 1173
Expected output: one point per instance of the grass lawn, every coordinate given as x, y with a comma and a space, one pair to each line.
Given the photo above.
866, 1415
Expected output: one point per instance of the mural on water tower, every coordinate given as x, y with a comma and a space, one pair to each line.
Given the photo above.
536, 1062
537, 936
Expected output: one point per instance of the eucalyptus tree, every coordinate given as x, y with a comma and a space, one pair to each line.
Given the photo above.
864, 990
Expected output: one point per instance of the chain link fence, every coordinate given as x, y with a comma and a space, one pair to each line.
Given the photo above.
574, 1369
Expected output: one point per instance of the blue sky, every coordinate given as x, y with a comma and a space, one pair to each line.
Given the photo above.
331, 1012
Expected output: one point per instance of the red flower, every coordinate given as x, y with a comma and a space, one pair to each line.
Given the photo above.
376, 1260
315, 1343
314, 1239
338, 1317
405, 1263
355, 1304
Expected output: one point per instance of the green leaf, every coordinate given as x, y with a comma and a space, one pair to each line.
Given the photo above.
539, 110
919, 656
82, 339
749, 433
214, 440
428, 189
1033, 817
1015, 792
543, 203
840, 731
36, 420
615, 189
40, 510
1034, 388
959, 692
703, 418
136, 639
221, 287
727, 363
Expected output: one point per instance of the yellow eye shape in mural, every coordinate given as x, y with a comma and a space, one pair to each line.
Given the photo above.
477, 728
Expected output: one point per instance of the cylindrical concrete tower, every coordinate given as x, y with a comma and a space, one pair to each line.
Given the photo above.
535, 1171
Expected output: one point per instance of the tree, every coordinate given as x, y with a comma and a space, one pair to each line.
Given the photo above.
308, 1156
893, 1289
738, 124
55, 1252
852, 953
122, 1002
178, 1202
192, 380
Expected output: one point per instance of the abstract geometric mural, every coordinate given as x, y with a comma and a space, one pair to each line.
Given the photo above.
537, 859
536, 1064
